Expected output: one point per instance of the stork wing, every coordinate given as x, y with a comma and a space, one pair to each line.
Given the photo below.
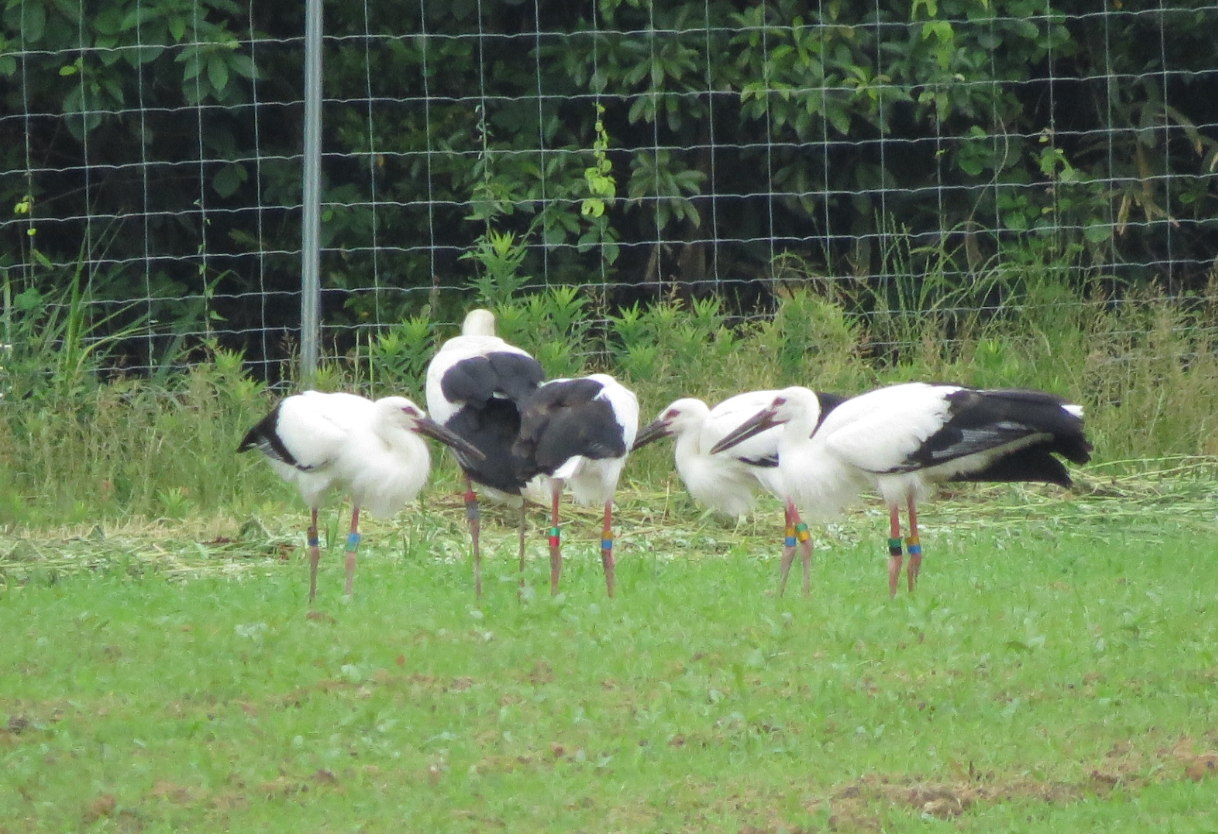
313, 429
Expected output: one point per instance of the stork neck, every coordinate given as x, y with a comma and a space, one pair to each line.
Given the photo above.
797, 431
390, 425
687, 443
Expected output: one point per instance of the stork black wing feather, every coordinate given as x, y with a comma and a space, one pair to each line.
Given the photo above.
265, 438
980, 420
480, 378
565, 419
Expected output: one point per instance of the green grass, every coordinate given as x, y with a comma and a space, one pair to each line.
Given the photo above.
1056, 671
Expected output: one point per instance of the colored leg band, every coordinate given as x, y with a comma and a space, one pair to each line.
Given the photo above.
801, 532
894, 547
790, 539
915, 546
471, 506
554, 536
607, 543
353, 542
312, 538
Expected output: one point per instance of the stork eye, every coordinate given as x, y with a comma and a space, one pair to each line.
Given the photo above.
671, 414
779, 401
410, 411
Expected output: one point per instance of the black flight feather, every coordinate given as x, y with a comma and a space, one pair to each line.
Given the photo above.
565, 419
264, 437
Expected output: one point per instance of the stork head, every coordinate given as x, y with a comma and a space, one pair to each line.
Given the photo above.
478, 323
795, 404
680, 417
412, 418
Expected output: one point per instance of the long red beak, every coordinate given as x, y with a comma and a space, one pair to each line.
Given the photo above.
755, 425
430, 428
650, 433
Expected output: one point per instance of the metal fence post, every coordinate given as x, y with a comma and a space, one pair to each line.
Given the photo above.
310, 240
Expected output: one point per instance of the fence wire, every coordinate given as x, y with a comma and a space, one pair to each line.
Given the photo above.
152, 158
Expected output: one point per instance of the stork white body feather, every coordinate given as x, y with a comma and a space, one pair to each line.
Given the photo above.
346, 440
904, 438
317, 441
727, 481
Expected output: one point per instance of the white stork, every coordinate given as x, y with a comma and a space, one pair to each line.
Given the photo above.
905, 438
372, 449
579, 432
475, 385
728, 481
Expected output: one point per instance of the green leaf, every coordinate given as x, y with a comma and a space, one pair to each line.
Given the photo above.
217, 72
192, 63
1098, 232
229, 178
143, 54
138, 16
33, 17
243, 65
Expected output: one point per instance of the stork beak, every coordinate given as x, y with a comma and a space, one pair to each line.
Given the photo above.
650, 433
755, 425
430, 428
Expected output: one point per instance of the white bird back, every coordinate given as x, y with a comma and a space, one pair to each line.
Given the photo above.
348, 441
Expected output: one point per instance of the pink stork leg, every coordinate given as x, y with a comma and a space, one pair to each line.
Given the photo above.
352, 547
555, 533
475, 526
523, 521
788, 547
914, 545
895, 557
607, 547
314, 555
805, 549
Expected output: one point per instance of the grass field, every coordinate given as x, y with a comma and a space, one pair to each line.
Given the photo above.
1057, 670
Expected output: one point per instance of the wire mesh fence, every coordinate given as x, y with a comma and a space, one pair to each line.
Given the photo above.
152, 158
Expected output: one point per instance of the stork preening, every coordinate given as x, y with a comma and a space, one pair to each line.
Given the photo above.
728, 481
578, 432
371, 449
904, 438
475, 386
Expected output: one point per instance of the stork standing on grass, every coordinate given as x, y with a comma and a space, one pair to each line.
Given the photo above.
579, 432
905, 438
475, 386
372, 449
728, 481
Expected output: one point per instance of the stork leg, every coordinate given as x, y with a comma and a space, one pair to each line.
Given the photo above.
523, 520
555, 533
475, 526
314, 555
352, 547
607, 547
914, 546
895, 557
788, 547
805, 549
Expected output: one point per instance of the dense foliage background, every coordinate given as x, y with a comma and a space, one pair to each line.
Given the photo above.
151, 154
